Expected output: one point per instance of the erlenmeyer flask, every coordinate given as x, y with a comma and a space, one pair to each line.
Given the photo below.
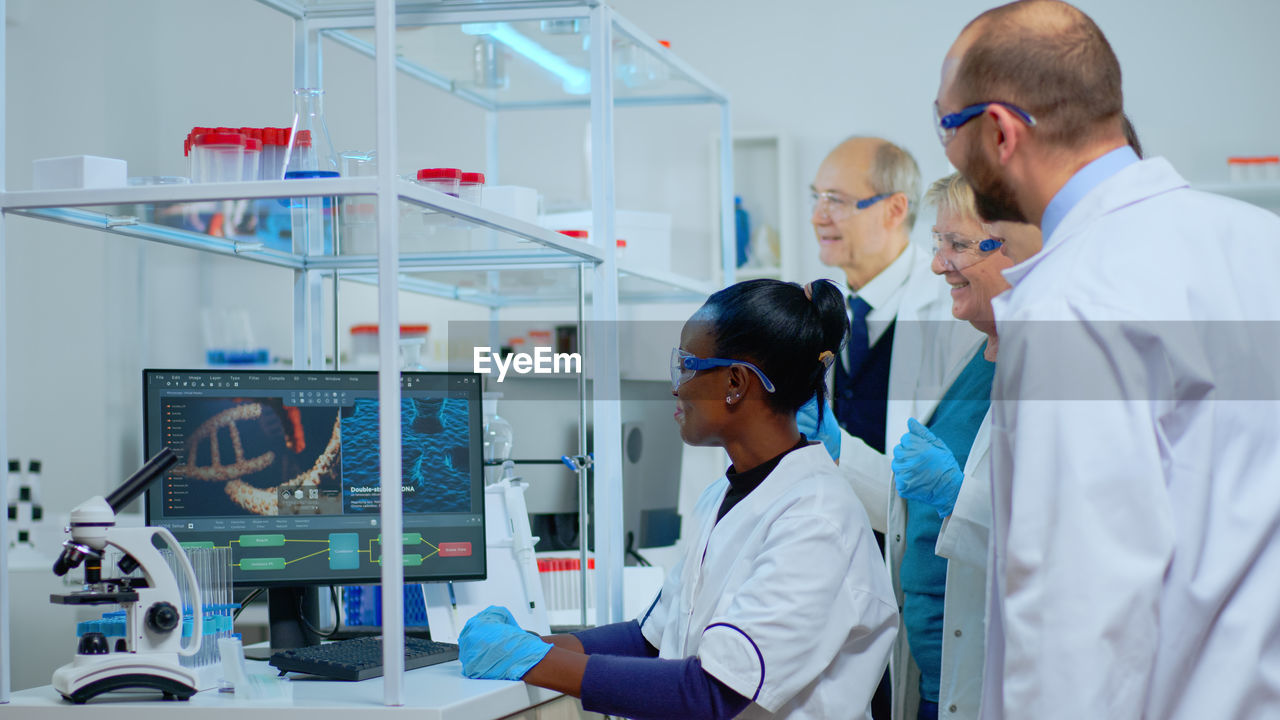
310, 151
309, 154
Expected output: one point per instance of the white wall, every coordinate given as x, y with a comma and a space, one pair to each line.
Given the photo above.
128, 78
1199, 78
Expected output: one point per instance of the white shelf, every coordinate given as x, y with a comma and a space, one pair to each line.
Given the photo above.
460, 274
31, 201
190, 192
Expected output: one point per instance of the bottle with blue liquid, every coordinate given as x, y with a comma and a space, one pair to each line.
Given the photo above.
742, 230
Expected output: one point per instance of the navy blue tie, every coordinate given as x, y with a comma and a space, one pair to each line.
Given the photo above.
859, 344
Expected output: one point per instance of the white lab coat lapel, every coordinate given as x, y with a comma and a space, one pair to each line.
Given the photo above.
965, 531
720, 543
963, 541
692, 582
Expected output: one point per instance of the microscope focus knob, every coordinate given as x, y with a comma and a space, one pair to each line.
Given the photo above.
94, 643
163, 617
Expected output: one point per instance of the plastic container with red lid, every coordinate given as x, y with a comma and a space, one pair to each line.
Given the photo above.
219, 156
274, 142
539, 337
445, 180
1260, 168
620, 243
471, 187
193, 165
364, 337
252, 159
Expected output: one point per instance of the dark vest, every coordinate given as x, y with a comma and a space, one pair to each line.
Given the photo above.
861, 401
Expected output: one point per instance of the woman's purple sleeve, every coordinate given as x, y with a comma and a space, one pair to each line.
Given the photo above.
622, 638
648, 687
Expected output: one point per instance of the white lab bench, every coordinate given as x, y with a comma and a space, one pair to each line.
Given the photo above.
438, 692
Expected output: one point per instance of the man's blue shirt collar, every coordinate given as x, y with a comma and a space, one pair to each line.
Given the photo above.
1087, 178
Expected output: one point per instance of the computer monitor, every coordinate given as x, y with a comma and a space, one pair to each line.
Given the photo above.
283, 468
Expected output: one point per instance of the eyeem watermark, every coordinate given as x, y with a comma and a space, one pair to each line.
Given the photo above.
541, 362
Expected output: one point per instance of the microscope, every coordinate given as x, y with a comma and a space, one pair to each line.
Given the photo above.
147, 657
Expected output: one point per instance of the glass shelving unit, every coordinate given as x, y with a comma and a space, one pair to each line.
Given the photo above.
578, 53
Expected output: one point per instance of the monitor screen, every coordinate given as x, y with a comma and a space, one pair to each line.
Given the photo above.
282, 467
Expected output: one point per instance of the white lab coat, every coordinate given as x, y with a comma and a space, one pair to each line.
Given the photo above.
1135, 462
785, 600
930, 349
963, 542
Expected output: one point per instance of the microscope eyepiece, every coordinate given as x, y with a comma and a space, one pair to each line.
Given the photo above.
138, 482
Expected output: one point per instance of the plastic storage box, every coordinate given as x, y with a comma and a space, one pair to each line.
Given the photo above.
78, 171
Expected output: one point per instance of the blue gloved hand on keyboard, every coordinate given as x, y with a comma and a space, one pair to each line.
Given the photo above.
492, 646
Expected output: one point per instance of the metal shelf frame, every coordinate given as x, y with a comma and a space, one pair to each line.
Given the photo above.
600, 280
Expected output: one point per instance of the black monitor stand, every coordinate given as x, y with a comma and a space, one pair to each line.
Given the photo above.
286, 608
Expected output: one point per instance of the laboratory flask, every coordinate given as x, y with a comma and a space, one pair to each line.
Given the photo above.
498, 439
309, 155
310, 149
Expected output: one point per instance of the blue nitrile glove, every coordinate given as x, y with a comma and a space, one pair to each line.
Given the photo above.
829, 434
925, 469
493, 647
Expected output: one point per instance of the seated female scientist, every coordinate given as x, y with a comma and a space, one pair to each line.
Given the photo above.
781, 605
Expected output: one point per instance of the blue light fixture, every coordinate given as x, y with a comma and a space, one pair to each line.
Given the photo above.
576, 81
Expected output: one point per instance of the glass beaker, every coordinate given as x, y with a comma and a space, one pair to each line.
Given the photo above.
309, 149
411, 353
490, 70
359, 216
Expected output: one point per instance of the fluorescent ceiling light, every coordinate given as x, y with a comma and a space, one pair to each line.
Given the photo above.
576, 80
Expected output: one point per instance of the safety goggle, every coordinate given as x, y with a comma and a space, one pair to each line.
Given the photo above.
685, 365
958, 252
948, 125
837, 206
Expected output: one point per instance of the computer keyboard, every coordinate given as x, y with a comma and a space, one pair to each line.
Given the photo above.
359, 658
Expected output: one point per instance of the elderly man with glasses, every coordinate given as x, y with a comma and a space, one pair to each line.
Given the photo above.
864, 204
904, 346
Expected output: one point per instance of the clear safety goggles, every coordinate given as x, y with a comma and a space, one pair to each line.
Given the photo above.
957, 252
839, 207
685, 365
